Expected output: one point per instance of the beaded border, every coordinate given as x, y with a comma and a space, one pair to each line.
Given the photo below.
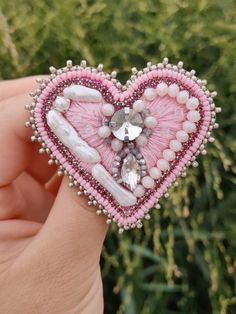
125, 95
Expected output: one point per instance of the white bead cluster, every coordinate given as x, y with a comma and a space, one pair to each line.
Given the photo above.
188, 126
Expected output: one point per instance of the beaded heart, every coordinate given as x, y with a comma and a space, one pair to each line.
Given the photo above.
123, 145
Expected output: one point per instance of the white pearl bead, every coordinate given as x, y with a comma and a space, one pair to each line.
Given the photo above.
192, 103
182, 136
189, 127
139, 191
193, 116
182, 97
162, 89
104, 131
138, 105
150, 94
150, 122
155, 173
175, 145
162, 164
108, 110
116, 144
148, 182
173, 90
61, 103
168, 154
141, 140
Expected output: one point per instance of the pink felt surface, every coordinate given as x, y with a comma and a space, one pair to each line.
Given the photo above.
86, 118
169, 115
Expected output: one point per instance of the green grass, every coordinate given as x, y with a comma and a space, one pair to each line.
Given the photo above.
183, 261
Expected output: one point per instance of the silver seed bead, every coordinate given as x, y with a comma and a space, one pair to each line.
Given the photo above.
69, 63
83, 63
100, 67
134, 70
165, 61
180, 64
52, 70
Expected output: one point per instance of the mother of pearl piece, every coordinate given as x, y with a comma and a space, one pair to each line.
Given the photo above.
138, 105
122, 195
150, 122
192, 103
173, 90
116, 144
193, 116
82, 93
168, 154
141, 140
104, 131
61, 104
182, 136
175, 145
150, 94
108, 110
148, 182
139, 191
155, 173
70, 138
182, 97
189, 127
162, 89
163, 164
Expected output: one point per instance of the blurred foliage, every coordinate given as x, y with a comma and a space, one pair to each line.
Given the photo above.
183, 261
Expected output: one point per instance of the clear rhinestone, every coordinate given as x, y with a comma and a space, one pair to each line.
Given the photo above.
126, 124
130, 172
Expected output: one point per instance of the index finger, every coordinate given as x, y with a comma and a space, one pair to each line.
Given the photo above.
11, 88
17, 151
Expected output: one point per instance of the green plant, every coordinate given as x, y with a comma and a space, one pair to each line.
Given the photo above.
183, 261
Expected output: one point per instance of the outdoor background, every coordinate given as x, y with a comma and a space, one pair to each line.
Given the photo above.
183, 260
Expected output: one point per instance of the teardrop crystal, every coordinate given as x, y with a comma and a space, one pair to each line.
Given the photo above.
130, 172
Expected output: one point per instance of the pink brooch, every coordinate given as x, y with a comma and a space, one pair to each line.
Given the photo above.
123, 146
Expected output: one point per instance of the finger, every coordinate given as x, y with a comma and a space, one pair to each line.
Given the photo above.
72, 230
53, 184
11, 88
25, 198
39, 167
17, 152
16, 229
15, 235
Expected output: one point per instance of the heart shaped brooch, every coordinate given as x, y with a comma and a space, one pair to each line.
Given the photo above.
123, 146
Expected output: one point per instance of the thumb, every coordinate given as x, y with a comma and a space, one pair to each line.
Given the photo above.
72, 229
62, 261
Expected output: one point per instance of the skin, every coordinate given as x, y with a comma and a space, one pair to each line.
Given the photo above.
50, 240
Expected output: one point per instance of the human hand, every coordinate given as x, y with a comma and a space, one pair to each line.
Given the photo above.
50, 240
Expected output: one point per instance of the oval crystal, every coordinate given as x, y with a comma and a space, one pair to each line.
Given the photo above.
130, 172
